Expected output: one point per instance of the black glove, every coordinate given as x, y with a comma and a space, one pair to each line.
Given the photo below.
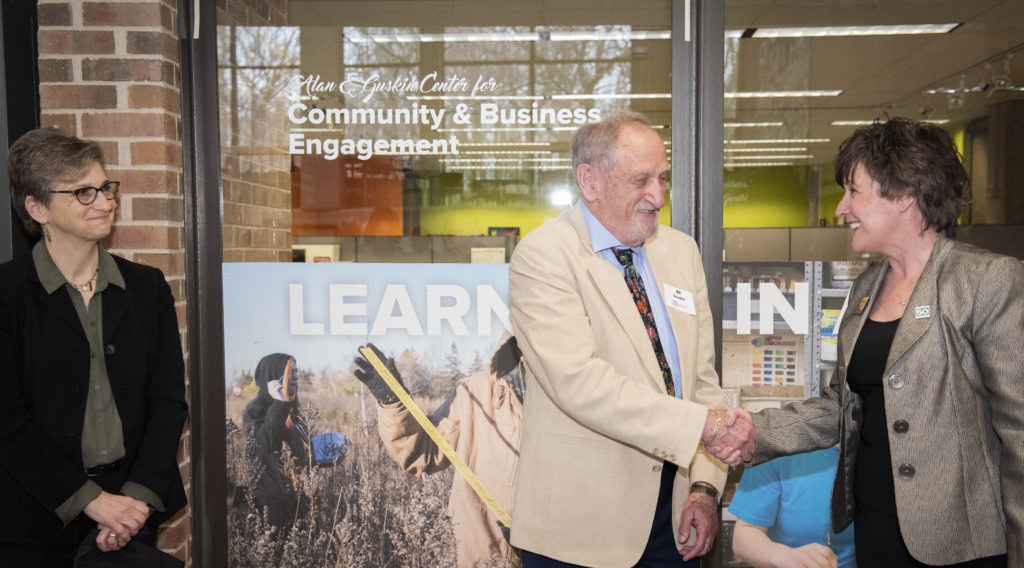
372, 379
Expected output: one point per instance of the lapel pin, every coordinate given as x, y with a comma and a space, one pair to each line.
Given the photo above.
921, 312
862, 304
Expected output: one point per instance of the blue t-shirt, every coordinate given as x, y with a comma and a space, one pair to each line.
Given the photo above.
790, 495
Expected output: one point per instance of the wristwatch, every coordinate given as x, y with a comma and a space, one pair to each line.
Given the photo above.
705, 489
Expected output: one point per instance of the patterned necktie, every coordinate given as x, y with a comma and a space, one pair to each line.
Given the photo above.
636, 287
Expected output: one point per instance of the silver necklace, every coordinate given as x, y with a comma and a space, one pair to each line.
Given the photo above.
89, 285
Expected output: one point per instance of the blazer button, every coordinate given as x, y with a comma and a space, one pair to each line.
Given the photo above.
906, 470
896, 381
901, 426
110, 349
656, 468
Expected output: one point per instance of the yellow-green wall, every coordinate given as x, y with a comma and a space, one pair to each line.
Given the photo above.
753, 197
765, 197
475, 221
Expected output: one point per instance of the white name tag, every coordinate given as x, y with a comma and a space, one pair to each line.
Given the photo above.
680, 299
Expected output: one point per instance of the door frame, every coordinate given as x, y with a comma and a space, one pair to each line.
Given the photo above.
697, 138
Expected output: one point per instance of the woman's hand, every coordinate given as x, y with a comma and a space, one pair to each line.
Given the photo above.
121, 515
107, 540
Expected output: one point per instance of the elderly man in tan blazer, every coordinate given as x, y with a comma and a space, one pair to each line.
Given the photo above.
620, 375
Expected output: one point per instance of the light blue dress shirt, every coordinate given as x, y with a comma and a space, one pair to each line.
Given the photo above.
601, 240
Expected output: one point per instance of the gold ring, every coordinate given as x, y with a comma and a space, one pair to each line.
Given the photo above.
112, 537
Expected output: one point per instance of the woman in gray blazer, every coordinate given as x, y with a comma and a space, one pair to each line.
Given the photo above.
927, 402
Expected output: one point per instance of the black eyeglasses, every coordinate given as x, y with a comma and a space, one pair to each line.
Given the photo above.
86, 195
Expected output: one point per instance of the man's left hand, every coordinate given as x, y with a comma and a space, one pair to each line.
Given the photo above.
700, 511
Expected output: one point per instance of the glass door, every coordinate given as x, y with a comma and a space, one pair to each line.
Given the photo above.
379, 162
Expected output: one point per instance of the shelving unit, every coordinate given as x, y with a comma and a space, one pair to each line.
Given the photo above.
825, 292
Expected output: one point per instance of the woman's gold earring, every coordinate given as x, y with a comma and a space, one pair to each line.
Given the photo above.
46, 234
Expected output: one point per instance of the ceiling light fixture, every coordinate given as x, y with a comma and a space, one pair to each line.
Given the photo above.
870, 122
782, 141
787, 157
489, 144
847, 31
736, 150
751, 124
781, 94
517, 168
542, 35
507, 152
757, 164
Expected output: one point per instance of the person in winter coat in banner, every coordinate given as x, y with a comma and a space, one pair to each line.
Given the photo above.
270, 422
481, 419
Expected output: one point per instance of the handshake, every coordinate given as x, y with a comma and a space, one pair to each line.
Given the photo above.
729, 435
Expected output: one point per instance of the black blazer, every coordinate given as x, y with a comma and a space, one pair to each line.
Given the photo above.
45, 355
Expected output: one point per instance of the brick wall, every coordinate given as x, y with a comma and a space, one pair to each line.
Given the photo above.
109, 72
255, 164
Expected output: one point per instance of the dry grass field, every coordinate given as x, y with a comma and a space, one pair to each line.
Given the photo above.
363, 512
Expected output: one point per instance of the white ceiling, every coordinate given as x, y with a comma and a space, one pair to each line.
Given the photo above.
878, 75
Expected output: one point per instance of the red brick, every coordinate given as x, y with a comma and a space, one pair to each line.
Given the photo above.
157, 209
229, 164
172, 127
262, 238
261, 255
233, 255
169, 19
77, 96
66, 123
169, 73
137, 181
177, 287
141, 237
134, 14
281, 239
252, 216
170, 263
236, 191
153, 43
76, 42
154, 96
111, 155
54, 15
123, 124
174, 532
135, 70
55, 70
233, 214
156, 153
182, 315
243, 237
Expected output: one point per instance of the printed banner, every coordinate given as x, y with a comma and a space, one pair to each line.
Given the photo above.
325, 465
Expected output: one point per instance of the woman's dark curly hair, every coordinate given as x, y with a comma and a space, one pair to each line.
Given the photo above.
912, 158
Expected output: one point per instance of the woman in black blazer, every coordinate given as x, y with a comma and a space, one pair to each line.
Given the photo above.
93, 379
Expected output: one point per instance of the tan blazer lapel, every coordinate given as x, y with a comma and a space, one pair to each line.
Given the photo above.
684, 325
613, 289
922, 307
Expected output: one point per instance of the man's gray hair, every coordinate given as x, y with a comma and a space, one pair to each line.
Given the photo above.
594, 143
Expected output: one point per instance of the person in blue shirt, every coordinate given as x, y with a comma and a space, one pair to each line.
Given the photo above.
782, 508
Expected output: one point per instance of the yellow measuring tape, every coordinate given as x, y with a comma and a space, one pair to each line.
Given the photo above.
438, 439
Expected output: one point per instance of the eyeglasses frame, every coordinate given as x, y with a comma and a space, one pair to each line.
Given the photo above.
96, 192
